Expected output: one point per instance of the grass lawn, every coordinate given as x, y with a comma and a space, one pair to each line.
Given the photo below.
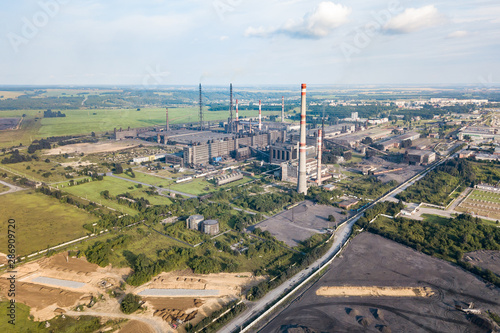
3, 188
41, 221
92, 191
38, 168
435, 219
147, 179
443, 220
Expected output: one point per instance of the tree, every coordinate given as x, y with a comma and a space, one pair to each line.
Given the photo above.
331, 218
130, 303
118, 168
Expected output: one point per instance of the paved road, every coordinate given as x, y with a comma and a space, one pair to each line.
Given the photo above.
161, 189
12, 188
157, 327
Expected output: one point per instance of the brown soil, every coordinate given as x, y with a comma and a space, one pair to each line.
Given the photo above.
39, 297
92, 148
345, 291
135, 326
173, 315
184, 304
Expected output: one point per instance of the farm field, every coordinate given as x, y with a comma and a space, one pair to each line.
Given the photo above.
482, 203
92, 191
85, 121
10, 94
41, 221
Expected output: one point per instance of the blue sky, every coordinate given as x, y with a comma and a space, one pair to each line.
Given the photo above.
149, 42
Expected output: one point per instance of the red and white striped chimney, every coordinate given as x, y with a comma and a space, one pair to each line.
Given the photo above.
320, 145
260, 116
302, 179
283, 109
236, 110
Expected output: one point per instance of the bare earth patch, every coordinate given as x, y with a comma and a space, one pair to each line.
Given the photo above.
92, 148
346, 291
135, 326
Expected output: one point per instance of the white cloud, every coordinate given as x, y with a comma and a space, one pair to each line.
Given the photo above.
414, 19
458, 34
317, 24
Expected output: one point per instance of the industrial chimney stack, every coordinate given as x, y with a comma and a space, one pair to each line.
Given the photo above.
168, 125
302, 180
320, 145
237, 119
283, 109
260, 116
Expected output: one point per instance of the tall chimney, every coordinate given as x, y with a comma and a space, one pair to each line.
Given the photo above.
237, 111
283, 109
260, 116
230, 126
320, 145
302, 180
168, 125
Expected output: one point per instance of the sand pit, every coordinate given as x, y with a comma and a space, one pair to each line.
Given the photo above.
185, 283
92, 148
58, 282
345, 291
178, 292
39, 297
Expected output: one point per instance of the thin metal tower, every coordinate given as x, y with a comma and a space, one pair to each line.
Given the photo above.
230, 125
201, 111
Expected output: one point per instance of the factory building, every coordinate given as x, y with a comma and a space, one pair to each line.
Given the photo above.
122, 135
418, 157
200, 154
480, 133
194, 222
210, 227
226, 179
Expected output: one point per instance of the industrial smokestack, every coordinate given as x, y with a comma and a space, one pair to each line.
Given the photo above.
168, 125
302, 180
283, 109
201, 111
237, 119
230, 127
320, 145
260, 116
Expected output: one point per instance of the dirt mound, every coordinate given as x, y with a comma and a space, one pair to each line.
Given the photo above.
363, 321
39, 297
346, 291
383, 328
173, 315
352, 312
295, 329
377, 314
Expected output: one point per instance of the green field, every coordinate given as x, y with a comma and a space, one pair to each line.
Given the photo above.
41, 221
115, 186
147, 179
85, 121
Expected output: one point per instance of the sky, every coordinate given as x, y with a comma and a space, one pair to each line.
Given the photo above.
214, 42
